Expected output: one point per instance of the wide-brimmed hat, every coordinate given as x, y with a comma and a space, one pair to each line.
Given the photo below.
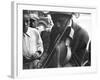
61, 13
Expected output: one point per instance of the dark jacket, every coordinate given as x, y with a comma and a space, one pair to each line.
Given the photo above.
78, 44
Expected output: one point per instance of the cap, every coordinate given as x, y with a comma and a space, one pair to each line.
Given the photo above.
34, 16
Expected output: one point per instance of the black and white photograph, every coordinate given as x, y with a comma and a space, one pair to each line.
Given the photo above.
56, 39
52, 40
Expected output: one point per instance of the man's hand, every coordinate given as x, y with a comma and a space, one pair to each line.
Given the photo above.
67, 42
37, 63
36, 55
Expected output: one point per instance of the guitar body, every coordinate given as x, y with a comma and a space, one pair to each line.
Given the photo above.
61, 51
59, 57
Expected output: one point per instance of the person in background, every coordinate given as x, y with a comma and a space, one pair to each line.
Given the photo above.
32, 43
33, 18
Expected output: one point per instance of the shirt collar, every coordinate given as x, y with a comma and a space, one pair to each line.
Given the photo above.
70, 23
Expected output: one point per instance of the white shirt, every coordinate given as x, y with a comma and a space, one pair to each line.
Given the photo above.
67, 43
71, 34
32, 42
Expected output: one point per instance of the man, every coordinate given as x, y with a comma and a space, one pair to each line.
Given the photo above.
62, 24
77, 44
54, 33
32, 43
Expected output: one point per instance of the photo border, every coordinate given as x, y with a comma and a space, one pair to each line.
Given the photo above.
17, 70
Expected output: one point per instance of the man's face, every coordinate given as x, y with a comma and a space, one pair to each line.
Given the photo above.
60, 21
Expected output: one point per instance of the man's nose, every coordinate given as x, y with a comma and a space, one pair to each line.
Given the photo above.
57, 24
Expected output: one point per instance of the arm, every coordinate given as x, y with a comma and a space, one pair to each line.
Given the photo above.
36, 45
79, 45
40, 48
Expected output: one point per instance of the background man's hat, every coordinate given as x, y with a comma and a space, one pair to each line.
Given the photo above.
34, 15
26, 15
